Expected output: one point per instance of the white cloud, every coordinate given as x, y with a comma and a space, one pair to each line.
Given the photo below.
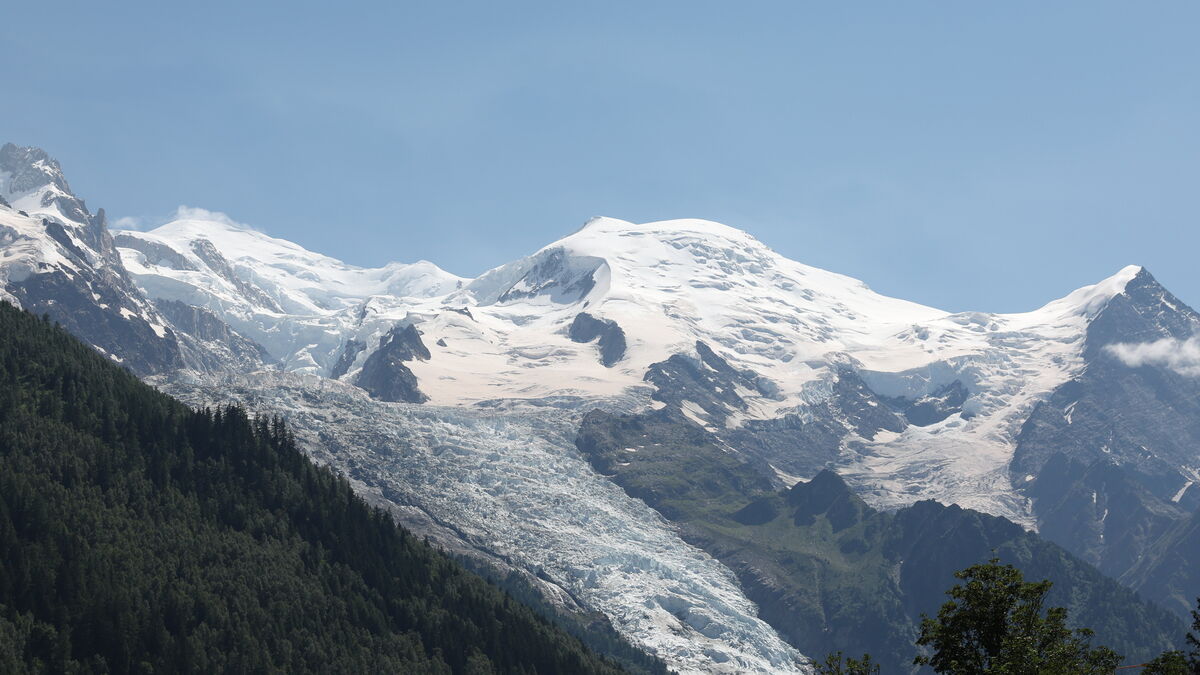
182, 212
196, 213
1182, 356
127, 223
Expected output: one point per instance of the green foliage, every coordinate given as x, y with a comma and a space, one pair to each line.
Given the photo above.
1177, 662
1168, 663
836, 664
1193, 640
996, 622
137, 535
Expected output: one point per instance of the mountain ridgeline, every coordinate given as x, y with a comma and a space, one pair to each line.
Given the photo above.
142, 536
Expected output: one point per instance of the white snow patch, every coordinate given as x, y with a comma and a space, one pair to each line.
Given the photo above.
694, 412
1179, 495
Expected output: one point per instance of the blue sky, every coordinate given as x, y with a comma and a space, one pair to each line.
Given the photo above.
983, 156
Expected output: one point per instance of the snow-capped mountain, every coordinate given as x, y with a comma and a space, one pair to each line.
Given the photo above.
300, 306
452, 401
657, 290
57, 258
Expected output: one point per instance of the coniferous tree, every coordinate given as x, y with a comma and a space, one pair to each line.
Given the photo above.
1193, 639
1168, 663
996, 622
837, 664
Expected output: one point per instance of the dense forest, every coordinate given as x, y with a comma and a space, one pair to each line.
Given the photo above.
137, 535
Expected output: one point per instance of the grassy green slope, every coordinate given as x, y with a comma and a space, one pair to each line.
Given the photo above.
831, 573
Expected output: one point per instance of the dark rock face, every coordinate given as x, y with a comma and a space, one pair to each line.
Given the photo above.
31, 168
1099, 511
92, 296
156, 254
217, 346
862, 410
1106, 456
1169, 572
346, 359
586, 328
1145, 419
67, 297
563, 278
798, 445
217, 263
707, 381
59, 234
803, 445
384, 375
933, 407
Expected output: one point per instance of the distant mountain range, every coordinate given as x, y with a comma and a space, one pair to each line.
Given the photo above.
458, 403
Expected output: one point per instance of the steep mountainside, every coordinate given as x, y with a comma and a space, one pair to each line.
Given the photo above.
57, 258
1167, 572
138, 535
830, 572
1121, 437
301, 306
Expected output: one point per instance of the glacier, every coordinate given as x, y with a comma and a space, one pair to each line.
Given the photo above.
509, 482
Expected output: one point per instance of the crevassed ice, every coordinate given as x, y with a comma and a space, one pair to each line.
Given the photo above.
512, 483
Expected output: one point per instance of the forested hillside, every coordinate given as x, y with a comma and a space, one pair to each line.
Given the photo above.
137, 535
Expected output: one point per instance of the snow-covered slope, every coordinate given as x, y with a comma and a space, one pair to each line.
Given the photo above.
298, 304
664, 287
671, 284
1008, 363
57, 258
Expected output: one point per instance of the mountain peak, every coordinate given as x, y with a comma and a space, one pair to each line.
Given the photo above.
1089, 301
29, 169
1142, 310
32, 181
603, 227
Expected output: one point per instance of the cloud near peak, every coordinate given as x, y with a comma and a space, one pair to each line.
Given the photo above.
1182, 356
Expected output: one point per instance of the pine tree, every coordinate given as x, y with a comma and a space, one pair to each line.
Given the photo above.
837, 664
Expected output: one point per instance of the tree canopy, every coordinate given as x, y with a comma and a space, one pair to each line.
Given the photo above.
996, 622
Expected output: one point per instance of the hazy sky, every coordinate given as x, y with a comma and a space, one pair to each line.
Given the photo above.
983, 156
